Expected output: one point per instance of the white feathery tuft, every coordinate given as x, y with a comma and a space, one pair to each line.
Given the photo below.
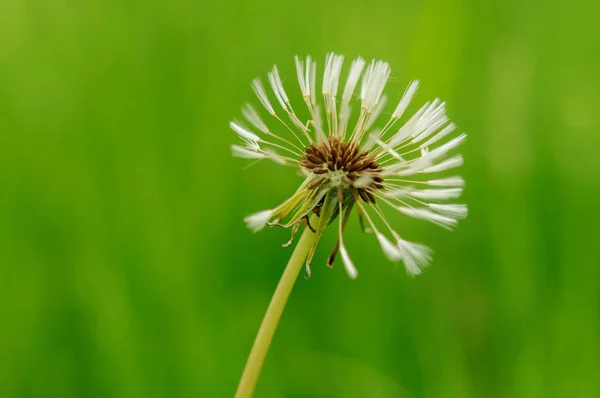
373, 83
444, 132
252, 116
424, 164
303, 75
365, 80
440, 151
252, 151
257, 221
331, 77
409, 128
389, 249
327, 73
447, 164
428, 215
432, 119
260, 92
459, 211
448, 182
245, 152
244, 132
410, 92
435, 112
353, 77
426, 130
336, 70
348, 264
436, 194
277, 87
415, 256
313, 81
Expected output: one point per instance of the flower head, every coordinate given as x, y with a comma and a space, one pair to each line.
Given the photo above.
347, 162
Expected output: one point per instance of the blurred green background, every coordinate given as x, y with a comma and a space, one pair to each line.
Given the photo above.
125, 267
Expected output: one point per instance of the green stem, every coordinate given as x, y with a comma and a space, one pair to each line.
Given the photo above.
271, 319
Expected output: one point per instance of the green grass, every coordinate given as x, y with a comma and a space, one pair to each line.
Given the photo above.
126, 270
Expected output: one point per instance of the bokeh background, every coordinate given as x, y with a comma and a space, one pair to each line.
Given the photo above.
125, 267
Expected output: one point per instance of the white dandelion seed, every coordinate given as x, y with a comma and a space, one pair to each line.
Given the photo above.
352, 158
257, 221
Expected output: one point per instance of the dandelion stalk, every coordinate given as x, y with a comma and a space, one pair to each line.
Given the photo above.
273, 314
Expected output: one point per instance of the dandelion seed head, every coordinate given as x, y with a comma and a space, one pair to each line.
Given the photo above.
350, 158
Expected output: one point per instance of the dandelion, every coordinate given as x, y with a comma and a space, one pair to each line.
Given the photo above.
347, 165
349, 159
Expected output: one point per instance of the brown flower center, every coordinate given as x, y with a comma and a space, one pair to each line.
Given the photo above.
348, 161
